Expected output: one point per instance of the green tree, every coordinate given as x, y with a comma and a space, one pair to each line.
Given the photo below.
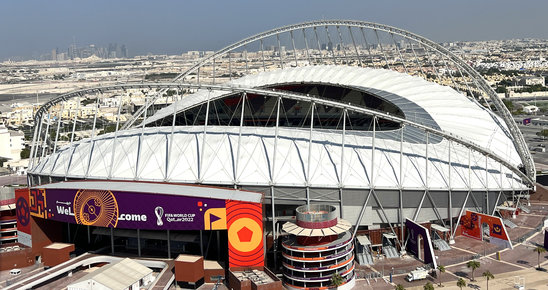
509, 104
539, 250
501, 90
399, 287
473, 264
336, 280
25, 153
87, 101
488, 275
442, 270
428, 286
543, 132
461, 283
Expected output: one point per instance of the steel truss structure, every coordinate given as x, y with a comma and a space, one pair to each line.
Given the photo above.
471, 174
473, 77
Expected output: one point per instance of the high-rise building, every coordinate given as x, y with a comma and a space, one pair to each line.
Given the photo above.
124, 51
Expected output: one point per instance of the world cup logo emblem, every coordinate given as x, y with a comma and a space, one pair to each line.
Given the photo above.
159, 212
96, 207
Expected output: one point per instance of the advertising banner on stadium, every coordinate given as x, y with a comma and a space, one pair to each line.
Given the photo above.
22, 211
129, 210
153, 211
546, 239
414, 231
472, 224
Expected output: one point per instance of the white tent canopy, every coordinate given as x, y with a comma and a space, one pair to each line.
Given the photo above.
262, 156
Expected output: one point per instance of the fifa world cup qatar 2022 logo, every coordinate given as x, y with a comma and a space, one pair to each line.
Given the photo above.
96, 207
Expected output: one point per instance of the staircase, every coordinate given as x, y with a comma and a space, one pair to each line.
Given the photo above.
390, 252
441, 245
364, 256
509, 223
524, 208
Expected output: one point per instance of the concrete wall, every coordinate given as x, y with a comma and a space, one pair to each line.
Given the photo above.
44, 232
16, 259
54, 257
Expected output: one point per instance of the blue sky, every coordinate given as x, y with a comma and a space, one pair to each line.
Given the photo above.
35, 27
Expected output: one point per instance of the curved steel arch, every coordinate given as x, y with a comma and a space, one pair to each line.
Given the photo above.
297, 97
514, 131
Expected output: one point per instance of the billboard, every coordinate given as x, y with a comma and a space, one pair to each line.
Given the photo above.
22, 211
152, 211
130, 210
245, 238
472, 224
414, 230
546, 239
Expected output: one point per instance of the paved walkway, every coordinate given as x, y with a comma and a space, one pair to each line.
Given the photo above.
516, 263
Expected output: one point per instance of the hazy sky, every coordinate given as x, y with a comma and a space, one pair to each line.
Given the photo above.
171, 27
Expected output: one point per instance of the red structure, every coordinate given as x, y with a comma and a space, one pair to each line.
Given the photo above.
213, 270
8, 221
56, 253
473, 224
319, 246
189, 268
245, 233
253, 278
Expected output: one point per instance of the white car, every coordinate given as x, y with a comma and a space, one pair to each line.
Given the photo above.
15, 272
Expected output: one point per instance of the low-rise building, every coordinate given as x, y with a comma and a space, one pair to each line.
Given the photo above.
530, 109
122, 275
531, 81
11, 143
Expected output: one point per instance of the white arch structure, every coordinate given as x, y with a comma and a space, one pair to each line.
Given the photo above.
462, 66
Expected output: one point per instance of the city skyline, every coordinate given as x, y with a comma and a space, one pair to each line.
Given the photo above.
32, 28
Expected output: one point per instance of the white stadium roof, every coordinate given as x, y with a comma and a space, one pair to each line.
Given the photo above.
211, 158
421, 101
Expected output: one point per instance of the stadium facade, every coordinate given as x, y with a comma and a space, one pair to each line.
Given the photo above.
379, 122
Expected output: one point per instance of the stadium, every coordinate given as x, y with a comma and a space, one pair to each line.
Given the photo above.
379, 122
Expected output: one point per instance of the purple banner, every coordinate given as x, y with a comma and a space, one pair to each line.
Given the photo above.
546, 239
131, 210
415, 230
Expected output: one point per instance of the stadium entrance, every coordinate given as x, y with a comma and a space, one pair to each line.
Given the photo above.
154, 219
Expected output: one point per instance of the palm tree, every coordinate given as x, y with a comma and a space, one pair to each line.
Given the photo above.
428, 286
473, 264
461, 283
539, 250
442, 270
336, 280
488, 275
399, 287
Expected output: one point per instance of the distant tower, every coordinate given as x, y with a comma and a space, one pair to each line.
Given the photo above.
119, 51
124, 51
112, 50
72, 51
93, 49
